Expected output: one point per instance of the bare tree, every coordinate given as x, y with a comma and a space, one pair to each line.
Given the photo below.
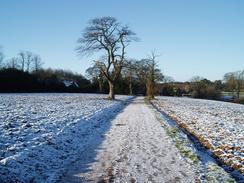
29, 60
95, 73
37, 63
13, 63
129, 74
235, 81
108, 35
22, 60
153, 74
148, 73
239, 82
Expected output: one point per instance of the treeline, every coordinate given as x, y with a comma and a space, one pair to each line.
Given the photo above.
24, 73
25, 61
198, 87
43, 80
111, 38
235, 82
138, 77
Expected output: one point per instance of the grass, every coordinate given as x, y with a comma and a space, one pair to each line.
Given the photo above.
180, 144
212, 173
233, 94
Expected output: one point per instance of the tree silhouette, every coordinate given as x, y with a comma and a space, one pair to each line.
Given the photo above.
108, 35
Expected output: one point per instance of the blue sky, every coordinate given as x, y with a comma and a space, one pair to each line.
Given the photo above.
193, 37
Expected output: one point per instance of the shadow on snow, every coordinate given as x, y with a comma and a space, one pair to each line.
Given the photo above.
70, 152
87, 155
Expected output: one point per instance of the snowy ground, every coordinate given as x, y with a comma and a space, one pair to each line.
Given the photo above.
136, 149
218, 125
86, 138
40, 134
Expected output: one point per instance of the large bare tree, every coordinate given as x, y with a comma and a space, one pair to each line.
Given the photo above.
110, 36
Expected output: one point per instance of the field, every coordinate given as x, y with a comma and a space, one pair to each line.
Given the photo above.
41, 133
219, 126
85, 137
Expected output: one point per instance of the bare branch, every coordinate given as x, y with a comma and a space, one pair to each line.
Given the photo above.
108, 35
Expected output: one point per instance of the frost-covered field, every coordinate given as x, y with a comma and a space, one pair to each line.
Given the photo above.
218, 125
42, 133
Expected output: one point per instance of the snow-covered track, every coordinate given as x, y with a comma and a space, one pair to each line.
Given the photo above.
135, 149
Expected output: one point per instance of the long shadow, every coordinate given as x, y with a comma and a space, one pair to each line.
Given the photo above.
75, 148
87, 155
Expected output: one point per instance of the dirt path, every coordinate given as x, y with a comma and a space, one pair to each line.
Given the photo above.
135, 149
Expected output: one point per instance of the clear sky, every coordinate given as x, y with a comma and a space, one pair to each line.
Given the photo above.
193, 37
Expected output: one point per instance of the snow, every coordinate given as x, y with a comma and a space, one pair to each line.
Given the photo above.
218, 125
87, 138
69, 83
41, 134
135, 149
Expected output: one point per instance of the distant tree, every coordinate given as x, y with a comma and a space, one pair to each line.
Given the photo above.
37, 63
187, 87
196, 79
154, 74
167, 86
107, 34
197, 86
230, 81
29, 60
148, 73
129, 74
22, 60
26, 59
239, 82
204, 88
96, 74
13, 63
218, 85
235, 81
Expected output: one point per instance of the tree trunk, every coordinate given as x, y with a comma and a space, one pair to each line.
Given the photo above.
111, 90
28, 68
238, 94
130, 87
238, 88
23, 66
150, 89
100, 83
